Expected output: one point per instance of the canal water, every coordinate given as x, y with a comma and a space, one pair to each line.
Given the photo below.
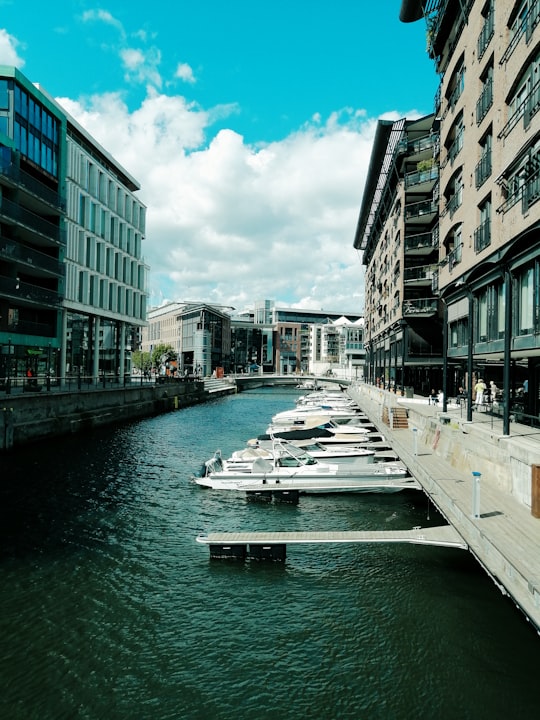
109, 609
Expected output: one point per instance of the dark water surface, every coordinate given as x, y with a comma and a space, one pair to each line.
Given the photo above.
110, 609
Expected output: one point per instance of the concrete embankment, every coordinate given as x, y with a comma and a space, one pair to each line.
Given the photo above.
486, 484
27, 417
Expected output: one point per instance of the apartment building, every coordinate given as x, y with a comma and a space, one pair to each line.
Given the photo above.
488, 57
397, 232
72, 278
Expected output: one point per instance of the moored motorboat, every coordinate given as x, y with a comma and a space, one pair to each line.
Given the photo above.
291, 468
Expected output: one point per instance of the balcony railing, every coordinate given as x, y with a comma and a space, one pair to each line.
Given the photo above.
425, 272
425, 207
421, 241
32, 184
526, 110
531, 192
483, 170
485, 101
22, 291
421, 176
29, 219
485, 34
454, 202
417, 146
14, 251
455, 147
454, 257
526, 27
482, 236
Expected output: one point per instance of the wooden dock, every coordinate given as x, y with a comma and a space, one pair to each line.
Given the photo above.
272, 545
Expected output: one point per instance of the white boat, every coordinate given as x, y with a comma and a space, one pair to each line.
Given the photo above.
340, 454
294, 421
290, 468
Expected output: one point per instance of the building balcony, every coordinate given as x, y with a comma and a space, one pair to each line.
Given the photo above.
420, 149
421, 244
41, 264
24, 293
12, 175
423, 212
419, 276
33, 227
422, 180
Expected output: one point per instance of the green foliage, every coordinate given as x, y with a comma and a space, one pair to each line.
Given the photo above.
141, 360
161, 350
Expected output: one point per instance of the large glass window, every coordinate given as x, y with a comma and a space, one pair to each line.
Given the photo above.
526, 299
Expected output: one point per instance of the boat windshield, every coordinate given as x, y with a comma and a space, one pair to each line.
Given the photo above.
292, 456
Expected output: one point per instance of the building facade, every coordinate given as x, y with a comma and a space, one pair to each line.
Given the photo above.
199, 334
32, 228
488, 57
72, 279
398, 234
105, 287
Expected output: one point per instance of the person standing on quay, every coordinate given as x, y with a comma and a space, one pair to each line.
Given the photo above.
479, 389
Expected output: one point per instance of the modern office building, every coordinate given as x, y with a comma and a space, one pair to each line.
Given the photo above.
397, 233
32, 228
72, 278
487, 55
105, 288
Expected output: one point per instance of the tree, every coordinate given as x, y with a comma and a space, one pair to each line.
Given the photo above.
161, 351
141, 360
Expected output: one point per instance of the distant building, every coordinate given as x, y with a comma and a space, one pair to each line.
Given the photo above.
199, 334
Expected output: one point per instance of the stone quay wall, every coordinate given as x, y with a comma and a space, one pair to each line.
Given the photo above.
28, 417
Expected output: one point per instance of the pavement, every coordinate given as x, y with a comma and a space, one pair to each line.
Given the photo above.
490, 510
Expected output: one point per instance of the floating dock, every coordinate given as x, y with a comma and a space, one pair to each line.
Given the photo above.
272, 545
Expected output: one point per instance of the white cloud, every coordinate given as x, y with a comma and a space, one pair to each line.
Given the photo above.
185, 73
8, 50
105, 17
232, 223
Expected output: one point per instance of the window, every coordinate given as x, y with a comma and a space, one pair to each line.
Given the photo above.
483, 168
526, 300
454, 142
485, 101
454, 192
456, 84
482, 234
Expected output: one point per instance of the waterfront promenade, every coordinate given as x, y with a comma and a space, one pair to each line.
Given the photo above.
440, 450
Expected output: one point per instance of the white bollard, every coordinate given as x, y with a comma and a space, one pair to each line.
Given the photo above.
476, 494
415, 440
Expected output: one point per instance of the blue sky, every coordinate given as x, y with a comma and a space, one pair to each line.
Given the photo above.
248, 124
